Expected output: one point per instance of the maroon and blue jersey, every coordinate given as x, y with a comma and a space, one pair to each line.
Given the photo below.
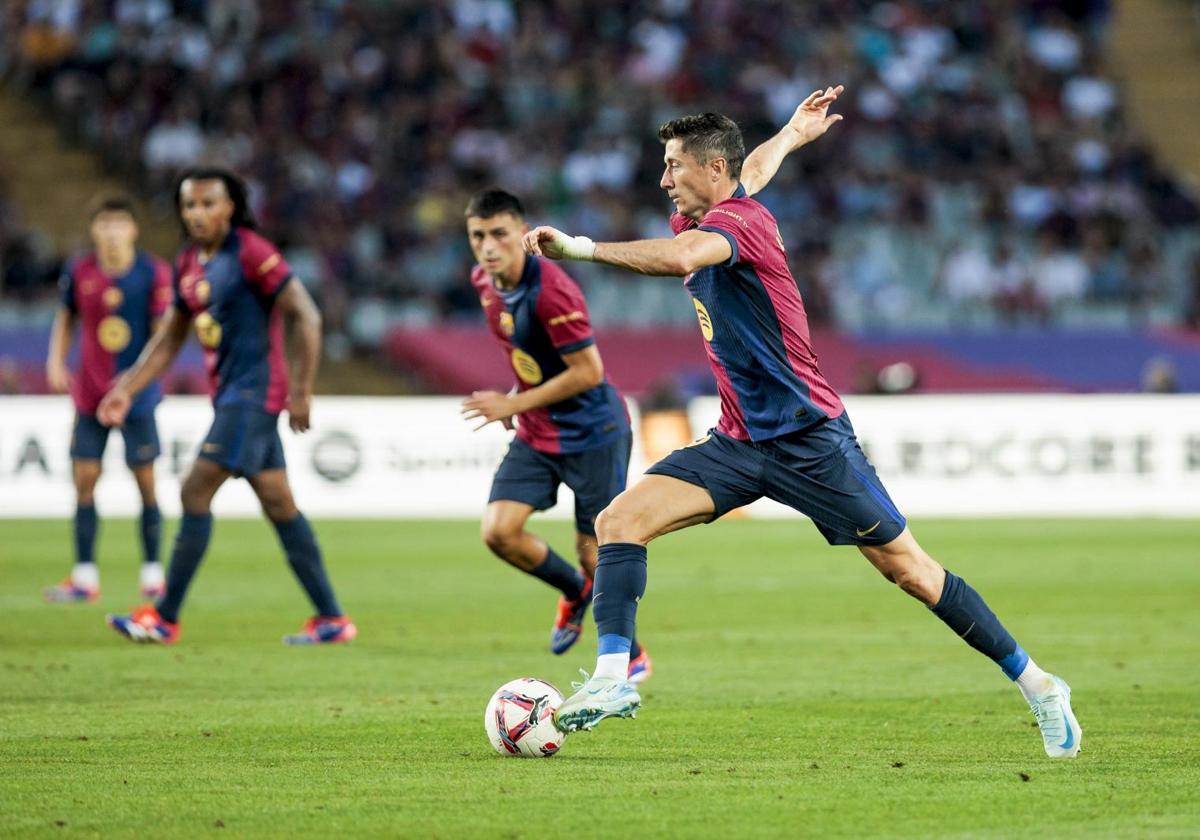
231, 298
539, 320
116, 316
755, 329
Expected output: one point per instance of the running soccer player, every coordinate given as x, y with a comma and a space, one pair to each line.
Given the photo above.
572, 425
239, 292
116, 293
783, 432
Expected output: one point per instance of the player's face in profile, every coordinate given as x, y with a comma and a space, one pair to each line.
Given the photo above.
206, 209
686, 180
496, 243
113, 232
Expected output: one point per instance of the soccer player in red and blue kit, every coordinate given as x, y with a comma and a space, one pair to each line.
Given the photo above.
572, 426
783, 432
238, 291
115, 294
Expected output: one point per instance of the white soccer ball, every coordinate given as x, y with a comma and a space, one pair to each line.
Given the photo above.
519, 719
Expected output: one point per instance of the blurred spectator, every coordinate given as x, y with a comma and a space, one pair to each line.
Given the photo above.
363, 126
1060, 276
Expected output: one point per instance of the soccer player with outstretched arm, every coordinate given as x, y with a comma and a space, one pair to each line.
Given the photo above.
783, 432
572, 426
116, 294
239, 292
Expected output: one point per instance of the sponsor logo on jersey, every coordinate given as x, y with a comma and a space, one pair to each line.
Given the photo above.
269, 263
565, 319
113, 334
706, 324
112, 297
208, 330
507, 327
526, 367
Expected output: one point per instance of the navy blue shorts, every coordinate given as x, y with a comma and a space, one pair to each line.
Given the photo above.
89, 439
596, 476
821, 472
244, 440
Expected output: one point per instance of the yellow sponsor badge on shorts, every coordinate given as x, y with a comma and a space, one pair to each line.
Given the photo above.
526, 367
113, 334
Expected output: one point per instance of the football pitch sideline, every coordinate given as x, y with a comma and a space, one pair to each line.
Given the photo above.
795, 692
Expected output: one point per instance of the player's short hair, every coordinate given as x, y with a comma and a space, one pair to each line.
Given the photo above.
112, 202
488, 203
708, 136
235, 187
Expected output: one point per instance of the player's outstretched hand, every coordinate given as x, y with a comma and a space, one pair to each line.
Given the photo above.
812, 117
58, 377
490, 406
114, 407
550, 242
299, 408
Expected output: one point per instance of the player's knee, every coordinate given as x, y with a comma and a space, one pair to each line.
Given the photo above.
618, 523
278, 507
502, 540
919, 579
194, 495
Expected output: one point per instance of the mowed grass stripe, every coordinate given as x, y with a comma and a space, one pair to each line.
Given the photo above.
796, 693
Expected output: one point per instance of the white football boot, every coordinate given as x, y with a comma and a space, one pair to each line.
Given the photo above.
1061, 734
594, 700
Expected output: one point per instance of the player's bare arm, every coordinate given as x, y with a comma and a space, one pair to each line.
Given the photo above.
303, 322
58, 376
687, 252
810, 120
585, 370
160, 351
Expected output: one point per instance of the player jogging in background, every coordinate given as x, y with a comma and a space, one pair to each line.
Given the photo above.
239, 292
116, 294
572, 426
783, 432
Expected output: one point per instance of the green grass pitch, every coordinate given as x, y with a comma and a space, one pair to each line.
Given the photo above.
795, 692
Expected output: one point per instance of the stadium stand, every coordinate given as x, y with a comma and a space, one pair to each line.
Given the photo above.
986, 175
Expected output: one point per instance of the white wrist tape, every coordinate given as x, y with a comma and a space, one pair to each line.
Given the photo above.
576, 247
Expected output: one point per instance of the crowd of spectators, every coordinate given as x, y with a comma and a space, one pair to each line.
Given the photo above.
985, 170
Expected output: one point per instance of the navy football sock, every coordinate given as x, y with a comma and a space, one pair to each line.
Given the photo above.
151, 533
965, 612
560, 574
190, 544
635, 649
619, 586
304, 555
86, 525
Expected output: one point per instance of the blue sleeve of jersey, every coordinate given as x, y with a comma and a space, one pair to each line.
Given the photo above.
576, 346
729, 237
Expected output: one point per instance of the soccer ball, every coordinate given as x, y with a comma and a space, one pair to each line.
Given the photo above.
519, 719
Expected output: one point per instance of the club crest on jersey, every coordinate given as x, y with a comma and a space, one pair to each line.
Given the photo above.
112, 297
506, 323
113, 334
208, 330
203, 290
706, 324
526, 367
